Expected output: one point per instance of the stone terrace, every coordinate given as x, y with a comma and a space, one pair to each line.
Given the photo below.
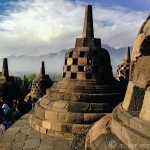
21, 136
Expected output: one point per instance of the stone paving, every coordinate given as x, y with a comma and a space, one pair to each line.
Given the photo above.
21, 136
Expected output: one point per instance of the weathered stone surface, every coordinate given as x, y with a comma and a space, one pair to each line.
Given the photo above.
128, 95
39, 84
86, 91
15, 138
124, 67
129, 127
145, 113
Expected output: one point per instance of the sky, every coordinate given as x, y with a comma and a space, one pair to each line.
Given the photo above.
38, 27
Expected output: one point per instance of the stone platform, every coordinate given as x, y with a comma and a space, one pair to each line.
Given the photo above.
21, 136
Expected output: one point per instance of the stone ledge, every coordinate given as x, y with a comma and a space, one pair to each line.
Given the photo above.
22, 136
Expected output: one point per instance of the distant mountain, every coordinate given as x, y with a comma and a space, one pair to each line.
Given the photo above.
19, 65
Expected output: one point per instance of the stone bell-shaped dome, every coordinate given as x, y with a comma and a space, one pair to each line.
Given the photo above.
39, 84
86, 91
124, 67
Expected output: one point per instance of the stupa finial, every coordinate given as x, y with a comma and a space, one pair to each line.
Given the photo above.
42, 69
88, 31
5, 71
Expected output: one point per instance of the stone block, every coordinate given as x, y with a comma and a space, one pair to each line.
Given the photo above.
18, 144
75, 97
60, 104
75, 54
66, 128
39, 111
68, 74
90, 118
33, 134
81, 76
47, 140
63, 117
47, 124
69, 61
56, 126
37, 128
82, 61
50, 132
43, 130
74, 68
79, 42
77, 128
32, 143
65, 68
51, 115
76, 118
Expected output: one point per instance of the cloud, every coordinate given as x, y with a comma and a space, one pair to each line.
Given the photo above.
35, 27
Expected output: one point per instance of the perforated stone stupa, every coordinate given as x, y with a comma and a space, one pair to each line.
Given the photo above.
129, 127
39, 84
124, 67
86, 91
9, 89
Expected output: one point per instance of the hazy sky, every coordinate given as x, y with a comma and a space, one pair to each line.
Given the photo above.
35, 27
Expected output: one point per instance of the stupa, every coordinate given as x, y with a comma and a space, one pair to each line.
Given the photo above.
86, 91
9, 89
124, 67
129, 127
39, 84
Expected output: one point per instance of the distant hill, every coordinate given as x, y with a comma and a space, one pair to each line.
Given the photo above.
20, 65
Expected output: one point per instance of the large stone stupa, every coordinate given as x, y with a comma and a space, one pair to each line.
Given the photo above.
85, 93
129, 126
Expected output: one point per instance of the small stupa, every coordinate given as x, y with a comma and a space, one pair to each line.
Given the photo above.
86, 91
39, 84
9, 88
124, 67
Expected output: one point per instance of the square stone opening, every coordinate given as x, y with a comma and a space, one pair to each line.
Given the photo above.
73, 75
75, 61
70, 54
82, 54
64, 74
80, 68
65, 61
68, 68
